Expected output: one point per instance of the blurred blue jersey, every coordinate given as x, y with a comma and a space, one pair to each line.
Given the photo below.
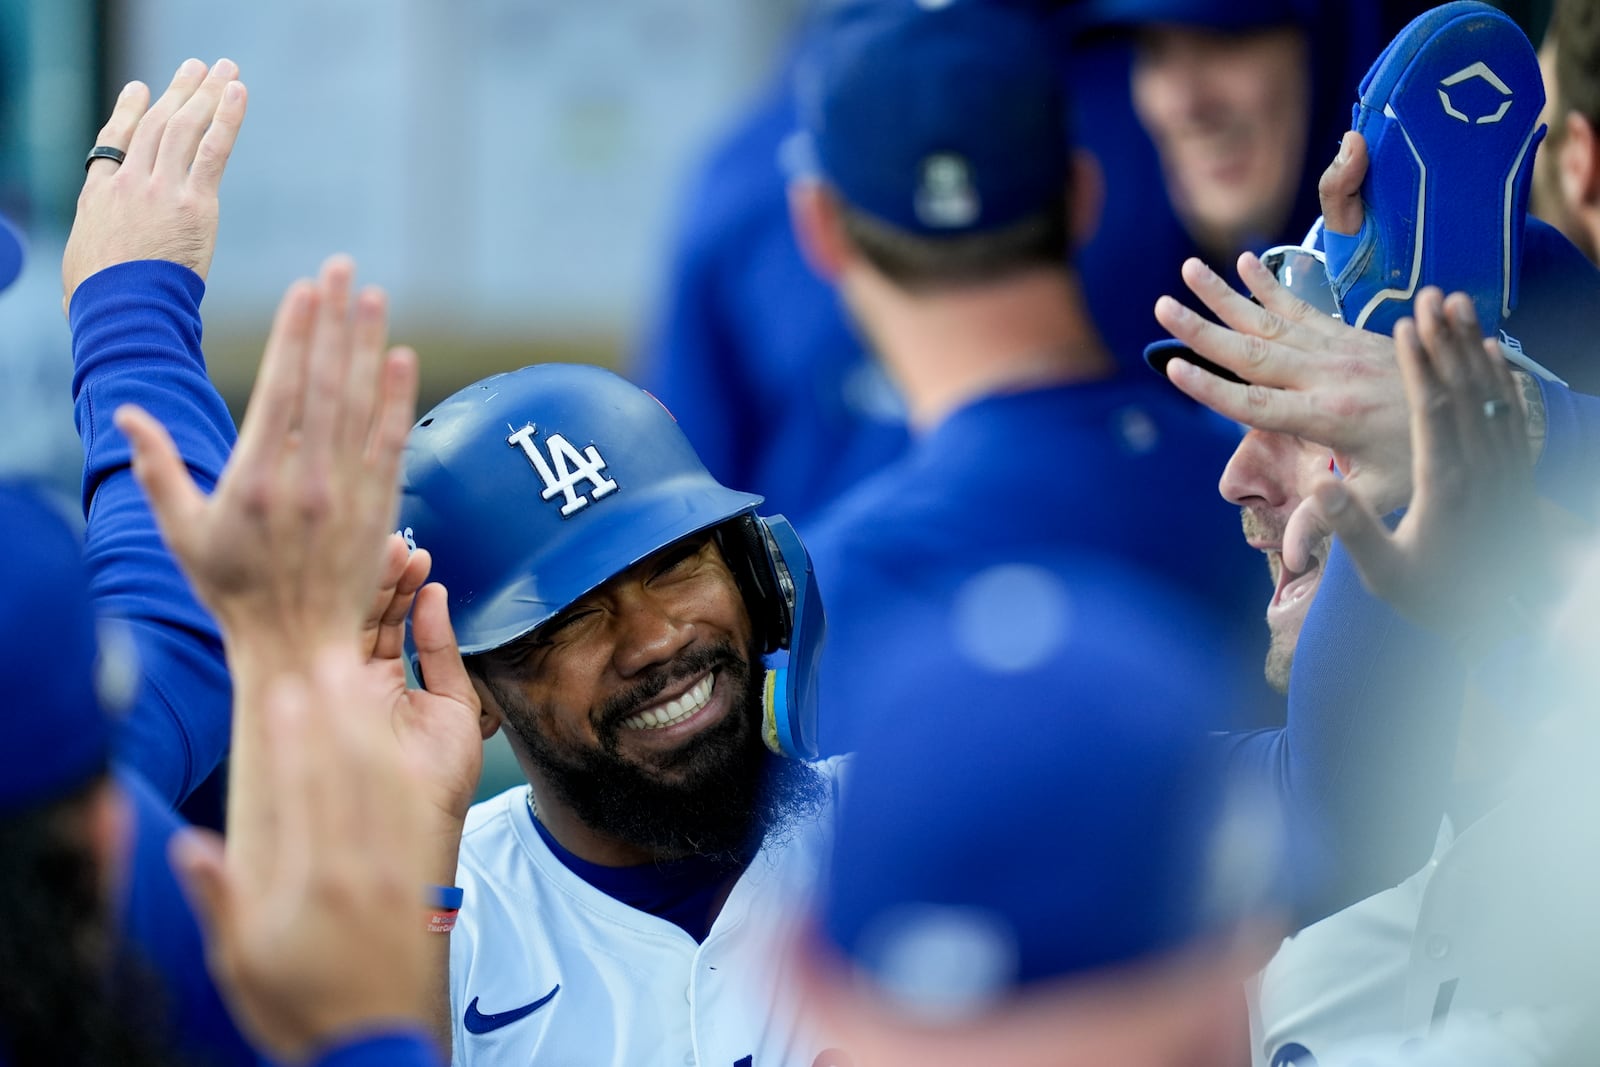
1124, 468
755, 356
751, 350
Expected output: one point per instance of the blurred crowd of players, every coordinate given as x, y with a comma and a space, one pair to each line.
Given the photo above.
1032, 799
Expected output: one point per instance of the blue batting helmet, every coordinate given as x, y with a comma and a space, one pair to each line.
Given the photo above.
534, 487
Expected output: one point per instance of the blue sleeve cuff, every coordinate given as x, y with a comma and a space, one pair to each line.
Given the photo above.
1564, 473
397, 1048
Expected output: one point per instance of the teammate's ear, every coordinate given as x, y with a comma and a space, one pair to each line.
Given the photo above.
1086, 195
490, 716
818, 228
1579, 163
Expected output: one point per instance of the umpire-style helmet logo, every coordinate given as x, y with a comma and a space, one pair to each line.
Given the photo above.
946, 198
565, 469
1475, 88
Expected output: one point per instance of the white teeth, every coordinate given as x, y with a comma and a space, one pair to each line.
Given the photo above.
673, 711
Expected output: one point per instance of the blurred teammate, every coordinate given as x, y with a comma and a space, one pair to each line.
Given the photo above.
73, 992
1243, 102
1399, 963
750, 349
1566, 191
945, 216
84, 859
1229, 95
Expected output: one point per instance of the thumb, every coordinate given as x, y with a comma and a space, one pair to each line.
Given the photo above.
1306, 530
1340, 186
438, 656
174, 498
197, 859
1369, 543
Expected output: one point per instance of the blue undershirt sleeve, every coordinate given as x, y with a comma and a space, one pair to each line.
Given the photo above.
1364, 765
1566, 473
690, 359
136, 339
161, 929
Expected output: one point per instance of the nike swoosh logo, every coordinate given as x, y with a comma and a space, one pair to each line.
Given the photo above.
479, 1023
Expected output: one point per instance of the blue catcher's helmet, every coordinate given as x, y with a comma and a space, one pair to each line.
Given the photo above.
534, 487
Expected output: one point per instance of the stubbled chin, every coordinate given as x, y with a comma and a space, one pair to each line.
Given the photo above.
1286, 615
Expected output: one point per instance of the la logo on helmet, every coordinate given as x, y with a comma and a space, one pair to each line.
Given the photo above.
564, 469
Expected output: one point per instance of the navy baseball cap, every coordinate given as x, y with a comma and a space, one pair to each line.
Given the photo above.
67, 672
936, 117
1221, 16
1042, 802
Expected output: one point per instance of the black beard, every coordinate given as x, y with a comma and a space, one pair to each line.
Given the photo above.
719, 796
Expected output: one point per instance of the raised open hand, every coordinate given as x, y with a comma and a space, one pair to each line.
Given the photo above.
1463, 550
288, 551
160, 201
1309, 375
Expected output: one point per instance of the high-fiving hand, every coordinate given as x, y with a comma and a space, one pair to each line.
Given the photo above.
160, 202
1464, 549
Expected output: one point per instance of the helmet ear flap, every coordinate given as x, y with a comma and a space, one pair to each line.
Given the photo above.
773, 573
744, 544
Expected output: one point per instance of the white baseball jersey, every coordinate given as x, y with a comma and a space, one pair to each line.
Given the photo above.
1499, 929
1516, 1038
547, 969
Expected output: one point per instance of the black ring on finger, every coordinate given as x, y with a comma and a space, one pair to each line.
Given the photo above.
104, 151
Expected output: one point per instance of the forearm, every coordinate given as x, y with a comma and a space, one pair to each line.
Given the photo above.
438, 1021
136, 339
445, 851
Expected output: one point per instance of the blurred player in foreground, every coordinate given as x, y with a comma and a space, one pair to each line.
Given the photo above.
1050, 867
310, 920
64, 819
1566, 190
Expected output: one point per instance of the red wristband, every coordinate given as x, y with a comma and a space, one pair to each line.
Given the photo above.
444, 904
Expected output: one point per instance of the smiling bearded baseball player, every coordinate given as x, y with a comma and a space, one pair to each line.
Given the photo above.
647, 642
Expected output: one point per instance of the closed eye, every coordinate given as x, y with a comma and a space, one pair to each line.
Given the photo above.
678, 557
560, 624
